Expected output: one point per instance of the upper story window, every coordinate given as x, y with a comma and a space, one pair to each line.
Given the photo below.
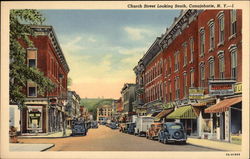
191, 50
233, 51
202, 42
170, 65
211, 34
185, 54
211, 67
233, 17
170, 91
202, 74
177, 88
221, 28
32, 57
221, 64
192, 78
176, 61
185, 85
31, 89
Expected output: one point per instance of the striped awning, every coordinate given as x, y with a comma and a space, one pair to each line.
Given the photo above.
223, 105
163, 114
185, 112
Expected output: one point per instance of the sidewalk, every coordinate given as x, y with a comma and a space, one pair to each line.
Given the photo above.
52, 135
220, 145
30, 147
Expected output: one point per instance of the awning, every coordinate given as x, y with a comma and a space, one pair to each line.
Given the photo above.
223, 105
163, 114
199, 104
185, 112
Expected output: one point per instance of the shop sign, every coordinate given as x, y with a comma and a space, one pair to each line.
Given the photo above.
196, 93
221, 89
238, 88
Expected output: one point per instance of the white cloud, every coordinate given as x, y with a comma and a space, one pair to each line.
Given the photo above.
137, 33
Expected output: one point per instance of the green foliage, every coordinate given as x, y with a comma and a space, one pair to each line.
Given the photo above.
93, 103
20, 21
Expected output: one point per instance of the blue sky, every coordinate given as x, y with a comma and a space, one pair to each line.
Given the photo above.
103, 46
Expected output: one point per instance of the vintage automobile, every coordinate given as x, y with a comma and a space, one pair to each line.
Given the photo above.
113, 125
152, 132
131, 128
79, 127
172, 132
94, 124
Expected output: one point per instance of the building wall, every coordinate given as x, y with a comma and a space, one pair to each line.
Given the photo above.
229, 40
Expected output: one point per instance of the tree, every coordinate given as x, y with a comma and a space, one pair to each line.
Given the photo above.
20, 30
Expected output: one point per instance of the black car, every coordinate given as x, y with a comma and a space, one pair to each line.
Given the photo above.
131, 128
172, 132
79, 127
94, 124
113, 125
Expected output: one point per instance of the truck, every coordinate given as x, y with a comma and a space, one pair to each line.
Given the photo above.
143, 124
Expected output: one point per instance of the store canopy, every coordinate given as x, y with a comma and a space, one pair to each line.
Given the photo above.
185, 112
223, 105
163, 114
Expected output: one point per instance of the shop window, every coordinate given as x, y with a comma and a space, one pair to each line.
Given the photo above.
34, 119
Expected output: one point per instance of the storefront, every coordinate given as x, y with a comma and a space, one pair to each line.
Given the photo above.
187, 116
227, 118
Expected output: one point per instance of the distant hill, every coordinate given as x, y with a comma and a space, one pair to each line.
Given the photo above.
93, 103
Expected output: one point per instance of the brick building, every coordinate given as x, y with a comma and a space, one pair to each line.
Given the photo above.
185, 69
45, 113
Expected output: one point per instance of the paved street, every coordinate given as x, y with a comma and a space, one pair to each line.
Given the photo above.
106, 139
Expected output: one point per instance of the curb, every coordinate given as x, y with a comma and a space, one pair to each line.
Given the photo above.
48, 148
206, 147
30, 137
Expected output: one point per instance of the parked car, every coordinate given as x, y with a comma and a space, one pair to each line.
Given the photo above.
142, 125
131, 128
113, 125
79, 127
152, 132
172, 132
94, 124
122, 127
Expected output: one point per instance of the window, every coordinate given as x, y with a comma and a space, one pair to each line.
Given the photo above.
221, 65
192, 49
170, 91
202, 42
185, 55
233, 22
233, 51
211, 68
31, 57
177, 88
202, 75
176, 61
192, 78
185, 86
169, 63
32, 89
221, 29
211, 35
